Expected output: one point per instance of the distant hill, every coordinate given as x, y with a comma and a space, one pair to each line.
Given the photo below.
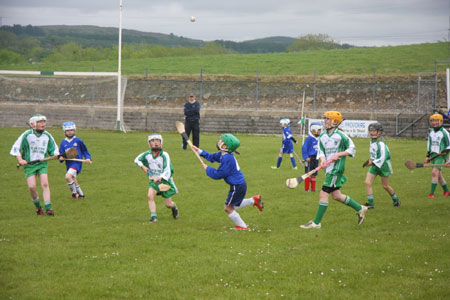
98, 37
94, 36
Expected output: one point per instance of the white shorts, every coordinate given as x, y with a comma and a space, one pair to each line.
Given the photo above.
72, 172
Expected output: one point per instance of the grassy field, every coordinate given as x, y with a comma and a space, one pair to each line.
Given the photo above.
409, 59
103, 247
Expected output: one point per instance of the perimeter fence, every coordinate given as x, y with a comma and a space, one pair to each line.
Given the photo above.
402, 94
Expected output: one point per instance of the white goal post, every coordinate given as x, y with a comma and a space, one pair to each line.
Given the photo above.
121, 85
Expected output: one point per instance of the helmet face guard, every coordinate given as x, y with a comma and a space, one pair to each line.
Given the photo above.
155, 136
285, 122
335, 118
436, 117
230, 140
69, 126
36, 118
315, 127
376, 127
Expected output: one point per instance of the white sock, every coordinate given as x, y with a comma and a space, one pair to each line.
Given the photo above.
72, 187
246, 202
236, 218
79, 191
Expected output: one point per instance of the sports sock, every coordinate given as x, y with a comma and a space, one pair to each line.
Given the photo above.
370, 199
313, 184
394, 197
320, 212
236, 218
36, 202
72, 187
48, 205
279, 161
294, 164
153, 215
245, 202
433, 187
445, 187
307, 181
352, 203
79, 191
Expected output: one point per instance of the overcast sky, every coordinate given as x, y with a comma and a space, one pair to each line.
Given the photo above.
357, 22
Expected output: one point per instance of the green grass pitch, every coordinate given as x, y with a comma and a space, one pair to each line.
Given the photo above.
103, 247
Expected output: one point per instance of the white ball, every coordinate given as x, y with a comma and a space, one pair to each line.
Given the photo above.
192, 19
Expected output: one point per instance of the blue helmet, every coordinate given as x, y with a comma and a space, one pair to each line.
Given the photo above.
69, 126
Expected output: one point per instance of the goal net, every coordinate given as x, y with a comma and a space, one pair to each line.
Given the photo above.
65, 88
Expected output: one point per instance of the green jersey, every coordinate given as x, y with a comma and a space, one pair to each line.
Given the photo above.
438, 140
330, 144
33, 146
159, 165
379, 153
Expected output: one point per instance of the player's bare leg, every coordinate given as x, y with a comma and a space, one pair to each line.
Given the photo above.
43, 178
152, 205
369, 190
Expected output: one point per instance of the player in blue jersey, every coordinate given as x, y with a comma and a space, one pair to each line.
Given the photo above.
230, 171
309, 153
286, 144
74, 167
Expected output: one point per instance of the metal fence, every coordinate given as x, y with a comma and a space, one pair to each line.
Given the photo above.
394, 94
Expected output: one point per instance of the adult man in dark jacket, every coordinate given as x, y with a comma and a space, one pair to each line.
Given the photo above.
192, 120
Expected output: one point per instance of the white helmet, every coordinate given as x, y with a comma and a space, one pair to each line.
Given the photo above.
316, 126
69, 126
155, 136
36, 118
285, 121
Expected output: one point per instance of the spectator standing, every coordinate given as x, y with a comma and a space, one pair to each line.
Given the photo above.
192, 120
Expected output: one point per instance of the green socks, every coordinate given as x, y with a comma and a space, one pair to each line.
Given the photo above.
433, 187
350, 202
370, 199
36, 202
320, 212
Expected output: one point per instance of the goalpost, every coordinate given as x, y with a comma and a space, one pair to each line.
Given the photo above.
20, 80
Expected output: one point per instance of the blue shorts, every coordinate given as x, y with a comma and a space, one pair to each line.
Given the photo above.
287, 148
236, 194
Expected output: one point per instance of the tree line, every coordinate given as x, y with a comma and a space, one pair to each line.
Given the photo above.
22, 44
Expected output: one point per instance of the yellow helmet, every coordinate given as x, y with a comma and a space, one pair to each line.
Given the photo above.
438, 117
334, 116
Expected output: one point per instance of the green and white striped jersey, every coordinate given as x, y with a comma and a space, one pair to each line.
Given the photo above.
160, 166
438, 140
379, 153
33, 146
330, 144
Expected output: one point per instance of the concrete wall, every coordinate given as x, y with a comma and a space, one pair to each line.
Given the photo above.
212, 120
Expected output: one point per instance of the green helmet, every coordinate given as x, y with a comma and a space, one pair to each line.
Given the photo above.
231, 141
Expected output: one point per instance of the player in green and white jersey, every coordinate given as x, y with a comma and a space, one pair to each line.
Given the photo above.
156, 163
380, 164
438, 141
334, 147
34, 144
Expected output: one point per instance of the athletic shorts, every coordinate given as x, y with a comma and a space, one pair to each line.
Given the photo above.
72, 172
441, 159
384, 171
167, 194
287, 148
333, 182
36, 169
236, 194
311, 165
